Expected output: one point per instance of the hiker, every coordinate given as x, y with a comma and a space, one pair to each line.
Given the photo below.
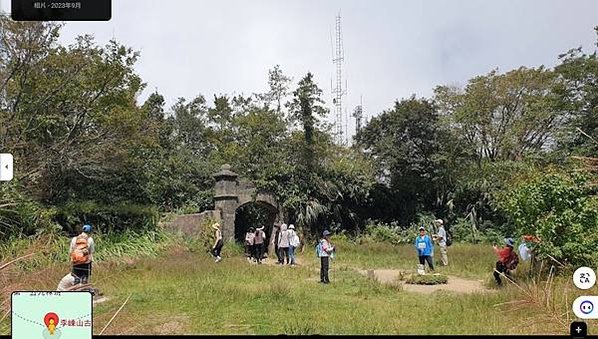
81, 252
293, 244
276, 237
424, 247
283, 245
258, 243
249, 247
217, 248
325, 250
442, 241
527, 251
67, 282
507, 260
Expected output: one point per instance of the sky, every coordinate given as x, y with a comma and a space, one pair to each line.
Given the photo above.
393, 48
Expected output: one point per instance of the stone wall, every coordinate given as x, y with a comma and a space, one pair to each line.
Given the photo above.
189, 224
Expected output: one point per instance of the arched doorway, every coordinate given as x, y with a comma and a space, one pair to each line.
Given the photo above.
255, 214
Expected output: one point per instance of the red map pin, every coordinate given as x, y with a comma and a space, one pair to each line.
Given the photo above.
49, 316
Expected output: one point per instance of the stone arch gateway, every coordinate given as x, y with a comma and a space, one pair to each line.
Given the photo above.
232, 193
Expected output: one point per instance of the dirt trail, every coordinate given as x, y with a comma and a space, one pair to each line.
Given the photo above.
273, 262
454, 284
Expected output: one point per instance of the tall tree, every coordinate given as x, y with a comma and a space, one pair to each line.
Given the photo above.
279, 87
306, 108
578, 98
405, 143
504, 116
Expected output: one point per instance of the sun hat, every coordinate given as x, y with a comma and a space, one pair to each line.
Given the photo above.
87, 228
325, 233
421, 228
216, 226
509, 242
439, 221
291, 227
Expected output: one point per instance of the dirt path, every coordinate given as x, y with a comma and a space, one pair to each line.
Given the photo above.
454, 284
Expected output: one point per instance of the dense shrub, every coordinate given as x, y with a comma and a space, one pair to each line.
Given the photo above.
105, 218
390, 233
561, 208
464, 231
19, 214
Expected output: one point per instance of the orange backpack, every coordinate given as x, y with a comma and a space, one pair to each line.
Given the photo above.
80, 254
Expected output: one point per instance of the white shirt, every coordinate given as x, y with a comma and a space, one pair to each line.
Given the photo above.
442, 233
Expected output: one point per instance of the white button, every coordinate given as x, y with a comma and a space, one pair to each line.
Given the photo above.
584, 278
6, 167
585, 307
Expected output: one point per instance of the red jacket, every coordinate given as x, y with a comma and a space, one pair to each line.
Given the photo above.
503, 254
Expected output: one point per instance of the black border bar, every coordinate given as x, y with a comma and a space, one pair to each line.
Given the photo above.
61, 10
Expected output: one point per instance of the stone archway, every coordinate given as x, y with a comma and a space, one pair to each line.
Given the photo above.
232, 193
254, 214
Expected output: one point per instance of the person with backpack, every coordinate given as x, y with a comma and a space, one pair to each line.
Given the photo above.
283, 245
442, 240
507, 260
81, 252
424, 248
325, 250
258, 243
249, 244
293, 244
218, 243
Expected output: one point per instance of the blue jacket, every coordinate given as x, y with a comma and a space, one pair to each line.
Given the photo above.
424, 246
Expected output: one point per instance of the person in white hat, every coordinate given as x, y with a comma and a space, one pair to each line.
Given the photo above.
441, 239
258, 242
293, 244
283, 245
217, 248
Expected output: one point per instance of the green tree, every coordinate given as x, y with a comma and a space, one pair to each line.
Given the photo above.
561, 208
406, 145
279, 85
306, 108
578, 94
504, 116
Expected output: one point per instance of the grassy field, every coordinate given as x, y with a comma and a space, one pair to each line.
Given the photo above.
183, 292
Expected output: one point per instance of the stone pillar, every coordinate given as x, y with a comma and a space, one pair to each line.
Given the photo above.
226, 200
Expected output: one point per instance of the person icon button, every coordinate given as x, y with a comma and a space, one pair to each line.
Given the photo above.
584, 278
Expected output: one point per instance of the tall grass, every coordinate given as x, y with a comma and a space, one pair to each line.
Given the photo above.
52, 248
50, 260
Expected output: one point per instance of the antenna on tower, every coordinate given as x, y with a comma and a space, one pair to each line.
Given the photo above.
338, 91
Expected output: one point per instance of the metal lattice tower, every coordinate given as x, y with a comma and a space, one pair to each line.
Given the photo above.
338, 91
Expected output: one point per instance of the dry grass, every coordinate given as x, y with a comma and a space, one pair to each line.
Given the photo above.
187, 293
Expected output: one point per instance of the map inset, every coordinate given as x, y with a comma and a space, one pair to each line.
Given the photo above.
51, 315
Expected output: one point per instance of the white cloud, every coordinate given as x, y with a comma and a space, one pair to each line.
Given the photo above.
392, 48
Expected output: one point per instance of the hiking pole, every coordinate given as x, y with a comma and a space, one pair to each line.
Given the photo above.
115, 314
